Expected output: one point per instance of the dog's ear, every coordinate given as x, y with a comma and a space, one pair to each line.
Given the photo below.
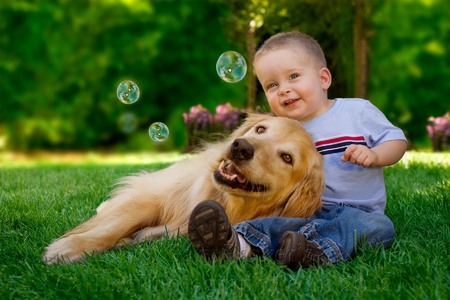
306, 197
250, 121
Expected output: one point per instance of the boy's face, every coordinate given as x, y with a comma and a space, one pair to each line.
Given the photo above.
295, 87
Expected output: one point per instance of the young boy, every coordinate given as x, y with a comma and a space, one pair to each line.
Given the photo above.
355, 140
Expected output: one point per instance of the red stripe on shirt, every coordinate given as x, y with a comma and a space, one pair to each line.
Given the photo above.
339, 139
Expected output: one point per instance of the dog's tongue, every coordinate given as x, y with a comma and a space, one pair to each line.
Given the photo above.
241, 179
229, 169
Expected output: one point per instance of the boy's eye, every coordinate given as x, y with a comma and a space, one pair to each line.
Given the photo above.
271, 85
293, 76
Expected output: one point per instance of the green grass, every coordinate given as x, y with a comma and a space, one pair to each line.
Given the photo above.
39, 203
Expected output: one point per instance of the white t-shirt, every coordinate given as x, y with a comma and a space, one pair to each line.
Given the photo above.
352, 121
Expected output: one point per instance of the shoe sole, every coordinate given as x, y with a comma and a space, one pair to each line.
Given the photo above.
208, 228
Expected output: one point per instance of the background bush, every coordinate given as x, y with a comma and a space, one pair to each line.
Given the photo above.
61, 62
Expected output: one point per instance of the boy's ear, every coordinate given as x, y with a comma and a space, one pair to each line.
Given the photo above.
325, 77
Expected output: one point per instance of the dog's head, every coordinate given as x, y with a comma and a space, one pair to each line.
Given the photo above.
273, 163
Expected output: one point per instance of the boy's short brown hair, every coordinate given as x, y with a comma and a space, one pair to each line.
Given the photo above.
294, 39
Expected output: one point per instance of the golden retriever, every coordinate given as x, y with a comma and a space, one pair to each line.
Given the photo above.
267, 167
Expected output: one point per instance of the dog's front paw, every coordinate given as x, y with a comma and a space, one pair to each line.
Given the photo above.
63, 251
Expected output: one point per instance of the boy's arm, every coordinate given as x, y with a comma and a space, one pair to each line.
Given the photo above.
384, 154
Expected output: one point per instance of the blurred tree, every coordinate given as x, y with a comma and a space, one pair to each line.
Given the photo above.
61, 62
395, 53
360, 44
409, 62
329, 21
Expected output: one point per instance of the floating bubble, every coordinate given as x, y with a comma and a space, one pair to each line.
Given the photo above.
128, 92
158, 132
231, 66
128, 122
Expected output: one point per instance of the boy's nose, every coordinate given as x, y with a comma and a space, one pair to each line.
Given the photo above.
284, 89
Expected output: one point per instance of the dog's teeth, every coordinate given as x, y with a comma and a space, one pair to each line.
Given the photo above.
228, 177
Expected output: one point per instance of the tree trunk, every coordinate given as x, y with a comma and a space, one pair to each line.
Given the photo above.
251, 78
360, 49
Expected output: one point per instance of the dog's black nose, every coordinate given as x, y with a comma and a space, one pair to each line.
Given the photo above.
241, 150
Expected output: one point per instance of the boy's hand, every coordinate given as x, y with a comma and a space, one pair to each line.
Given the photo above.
360, 155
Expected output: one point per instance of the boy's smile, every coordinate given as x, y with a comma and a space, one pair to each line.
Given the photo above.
290, 102
294, 85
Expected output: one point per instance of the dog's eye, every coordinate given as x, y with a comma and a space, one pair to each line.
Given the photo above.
260, 129
287, 158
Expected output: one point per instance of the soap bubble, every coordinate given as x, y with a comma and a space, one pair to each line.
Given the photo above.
158, 132
128, 122
231, 66
128, 92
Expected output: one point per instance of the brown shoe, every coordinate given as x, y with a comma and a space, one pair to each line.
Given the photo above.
295, 251
211, 233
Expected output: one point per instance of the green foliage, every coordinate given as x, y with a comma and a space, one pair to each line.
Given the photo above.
410, 70
408, 56
329, 21
62, 61
38, 204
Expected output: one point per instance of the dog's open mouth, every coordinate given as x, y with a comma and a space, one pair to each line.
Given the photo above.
228, 174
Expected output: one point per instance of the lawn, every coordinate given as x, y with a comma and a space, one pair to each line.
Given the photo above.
39, 202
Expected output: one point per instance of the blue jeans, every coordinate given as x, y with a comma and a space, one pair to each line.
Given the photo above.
338, 229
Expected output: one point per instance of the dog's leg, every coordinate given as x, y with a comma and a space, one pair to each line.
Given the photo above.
143, 235
152, 233
101, 232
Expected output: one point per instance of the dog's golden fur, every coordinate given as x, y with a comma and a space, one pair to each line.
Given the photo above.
267, 167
